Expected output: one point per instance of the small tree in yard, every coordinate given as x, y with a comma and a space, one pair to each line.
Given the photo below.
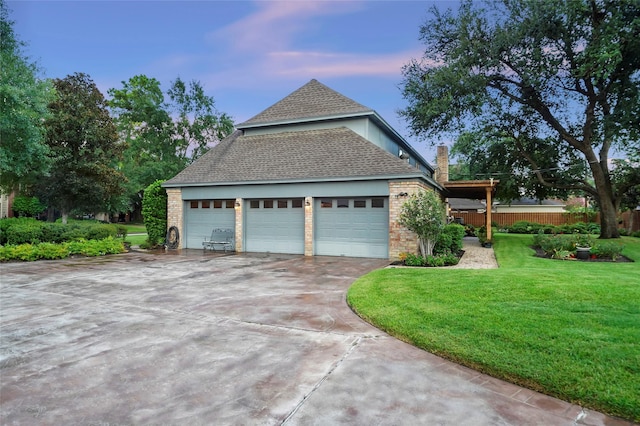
424, 213
154, 212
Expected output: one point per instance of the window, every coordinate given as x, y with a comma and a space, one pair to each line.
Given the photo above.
283, 204
326, 203
230, 204
296, 204
206, 204
194, 204
217, 204
254, 204
343, 203
377, 203
268, 204
359, 204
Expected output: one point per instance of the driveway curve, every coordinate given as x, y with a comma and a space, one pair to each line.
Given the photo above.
199, 338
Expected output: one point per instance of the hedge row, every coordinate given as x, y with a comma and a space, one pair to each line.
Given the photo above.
30, 252
16, 231
525, 227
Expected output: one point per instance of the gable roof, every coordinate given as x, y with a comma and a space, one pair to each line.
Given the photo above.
312, 155
313, 100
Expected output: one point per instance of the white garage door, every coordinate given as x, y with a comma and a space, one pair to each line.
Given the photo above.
356, 227
275, 226
203, 216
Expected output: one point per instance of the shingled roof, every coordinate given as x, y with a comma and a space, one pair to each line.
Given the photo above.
326, 154
313, 100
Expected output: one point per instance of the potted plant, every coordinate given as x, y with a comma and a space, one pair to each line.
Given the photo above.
584, 242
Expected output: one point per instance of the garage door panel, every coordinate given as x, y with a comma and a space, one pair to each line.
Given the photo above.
359, 230
202, 216
277, 229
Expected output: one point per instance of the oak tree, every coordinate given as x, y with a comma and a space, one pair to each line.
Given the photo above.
545, 89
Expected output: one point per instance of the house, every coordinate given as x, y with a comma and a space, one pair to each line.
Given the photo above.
316, 173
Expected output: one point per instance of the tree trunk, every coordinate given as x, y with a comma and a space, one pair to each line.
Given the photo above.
65, 216
607, 204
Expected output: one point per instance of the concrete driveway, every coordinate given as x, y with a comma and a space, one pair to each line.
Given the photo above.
200, 338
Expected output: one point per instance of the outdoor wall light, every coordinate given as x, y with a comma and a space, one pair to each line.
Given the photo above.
307, 203
237, 203
402, 194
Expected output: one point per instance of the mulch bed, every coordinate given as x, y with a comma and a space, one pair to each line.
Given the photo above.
620, 259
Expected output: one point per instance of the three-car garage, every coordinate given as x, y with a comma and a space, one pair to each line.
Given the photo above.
341, 226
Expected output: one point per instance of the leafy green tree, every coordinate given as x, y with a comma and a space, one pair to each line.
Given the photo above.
145, 127
198, 125
84, 148
424, 213
23, 105
543, 89
159, 146
154, 212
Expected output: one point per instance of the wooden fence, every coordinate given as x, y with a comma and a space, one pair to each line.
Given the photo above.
507, 219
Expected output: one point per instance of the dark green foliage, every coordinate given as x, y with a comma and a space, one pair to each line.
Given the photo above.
16, 231
27, 206
525, 227
447, 259
607, 250
26, 232
83, 149
23, 105
450, 240
154, 212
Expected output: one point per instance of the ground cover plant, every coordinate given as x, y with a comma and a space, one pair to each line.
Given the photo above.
567, 329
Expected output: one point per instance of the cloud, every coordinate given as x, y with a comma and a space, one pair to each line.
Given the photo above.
324, 64
267, 45
275, 24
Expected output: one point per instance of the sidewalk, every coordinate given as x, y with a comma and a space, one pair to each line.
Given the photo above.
475, 256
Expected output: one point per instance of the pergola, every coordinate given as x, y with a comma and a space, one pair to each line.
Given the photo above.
474, 189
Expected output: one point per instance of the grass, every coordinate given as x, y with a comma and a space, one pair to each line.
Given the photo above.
138, 229
134, 228
565, 328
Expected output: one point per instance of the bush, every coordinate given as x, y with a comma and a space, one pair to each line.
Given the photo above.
636, 234
30, 252
154, 212
27, 206
608, 250
450, 240
23, 233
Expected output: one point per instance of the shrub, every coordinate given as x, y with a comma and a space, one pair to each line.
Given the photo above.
449, 240
636, 234
30, 252
27, 206
23, 233
154, 212
101, 231
608, 250
553, 244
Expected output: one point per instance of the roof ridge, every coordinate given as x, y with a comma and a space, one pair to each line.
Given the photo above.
312, 100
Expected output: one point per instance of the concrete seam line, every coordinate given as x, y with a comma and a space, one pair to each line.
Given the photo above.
322, 380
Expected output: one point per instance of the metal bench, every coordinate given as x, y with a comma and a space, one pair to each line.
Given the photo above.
220, 238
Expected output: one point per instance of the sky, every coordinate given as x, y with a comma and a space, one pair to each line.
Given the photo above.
246, 54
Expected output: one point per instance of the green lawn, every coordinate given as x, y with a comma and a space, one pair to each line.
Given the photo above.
566, 328
134, 228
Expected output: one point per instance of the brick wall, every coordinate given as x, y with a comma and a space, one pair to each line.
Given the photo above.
239, 203
400, 238
175, 207
308, 226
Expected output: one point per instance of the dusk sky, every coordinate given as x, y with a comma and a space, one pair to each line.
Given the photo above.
247, 54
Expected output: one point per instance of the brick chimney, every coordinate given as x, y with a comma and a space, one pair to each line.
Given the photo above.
442, 164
